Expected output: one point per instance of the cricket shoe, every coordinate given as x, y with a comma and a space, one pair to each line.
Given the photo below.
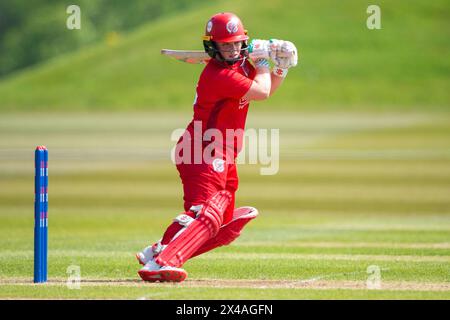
149, 253
153, 272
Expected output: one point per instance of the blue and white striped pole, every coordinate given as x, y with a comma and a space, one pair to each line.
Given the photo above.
40, 214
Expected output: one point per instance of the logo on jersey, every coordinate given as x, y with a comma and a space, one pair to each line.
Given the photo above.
218, 165
233, 25
242, 103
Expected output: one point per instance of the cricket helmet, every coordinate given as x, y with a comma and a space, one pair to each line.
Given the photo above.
223, 27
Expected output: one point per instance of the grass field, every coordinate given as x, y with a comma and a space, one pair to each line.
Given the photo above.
353, 190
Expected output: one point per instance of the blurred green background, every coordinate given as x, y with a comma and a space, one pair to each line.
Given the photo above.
364, 145
113, 62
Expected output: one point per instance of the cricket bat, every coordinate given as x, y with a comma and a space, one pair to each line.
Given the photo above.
192, 56
197, 56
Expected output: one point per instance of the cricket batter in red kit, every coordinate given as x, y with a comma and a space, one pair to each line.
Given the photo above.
205, 154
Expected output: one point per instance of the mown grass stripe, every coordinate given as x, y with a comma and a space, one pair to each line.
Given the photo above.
443, 245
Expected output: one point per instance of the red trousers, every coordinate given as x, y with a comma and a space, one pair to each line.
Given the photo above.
200, 181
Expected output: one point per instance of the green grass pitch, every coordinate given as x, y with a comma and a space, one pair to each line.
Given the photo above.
353, 190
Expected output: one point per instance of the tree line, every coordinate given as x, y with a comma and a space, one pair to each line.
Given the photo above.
34, 31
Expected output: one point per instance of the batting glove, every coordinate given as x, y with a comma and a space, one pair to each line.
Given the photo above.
286, 57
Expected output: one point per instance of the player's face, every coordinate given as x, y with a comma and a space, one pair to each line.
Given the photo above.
230, 50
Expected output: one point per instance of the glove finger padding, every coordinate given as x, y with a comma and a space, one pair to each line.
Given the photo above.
286, 55
290, 47
259, 49
282, 53
274, 46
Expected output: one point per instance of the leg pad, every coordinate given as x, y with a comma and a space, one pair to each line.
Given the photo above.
203, 228
230, 231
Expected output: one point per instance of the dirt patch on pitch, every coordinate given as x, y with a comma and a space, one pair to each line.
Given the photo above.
315, 284
250, 284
